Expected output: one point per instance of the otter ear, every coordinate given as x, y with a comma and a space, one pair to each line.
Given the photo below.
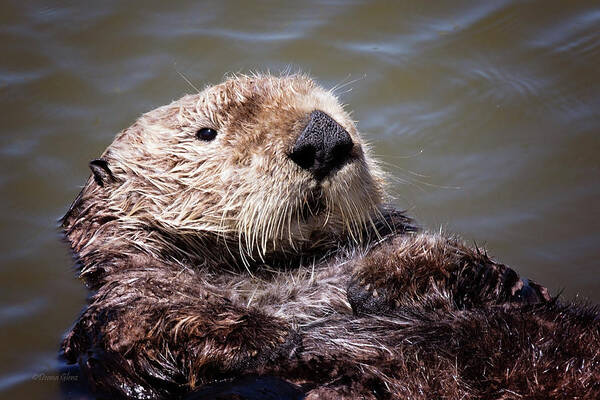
101, 171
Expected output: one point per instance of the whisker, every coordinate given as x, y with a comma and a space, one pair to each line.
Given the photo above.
187, 80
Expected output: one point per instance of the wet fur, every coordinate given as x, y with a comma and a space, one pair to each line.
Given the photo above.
209, 261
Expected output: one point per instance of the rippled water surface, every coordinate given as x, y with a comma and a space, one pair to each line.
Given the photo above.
486, 115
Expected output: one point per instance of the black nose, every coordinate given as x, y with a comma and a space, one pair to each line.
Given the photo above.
323, 147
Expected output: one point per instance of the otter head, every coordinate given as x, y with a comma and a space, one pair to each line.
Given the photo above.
262, 165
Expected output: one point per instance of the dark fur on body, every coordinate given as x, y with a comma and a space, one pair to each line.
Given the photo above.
384, 312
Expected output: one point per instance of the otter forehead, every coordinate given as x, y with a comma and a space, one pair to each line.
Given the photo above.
238, 96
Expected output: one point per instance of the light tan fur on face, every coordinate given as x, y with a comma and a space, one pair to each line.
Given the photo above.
241, 186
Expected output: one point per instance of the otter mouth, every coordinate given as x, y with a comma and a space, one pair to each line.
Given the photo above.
313, 204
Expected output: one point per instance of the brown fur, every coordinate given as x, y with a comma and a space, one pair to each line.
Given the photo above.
209, 260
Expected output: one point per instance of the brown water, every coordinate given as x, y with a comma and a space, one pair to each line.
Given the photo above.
486, 115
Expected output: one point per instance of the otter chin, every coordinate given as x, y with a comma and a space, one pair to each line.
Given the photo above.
245, 231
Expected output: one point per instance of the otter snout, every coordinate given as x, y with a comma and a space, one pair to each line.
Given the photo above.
323, 147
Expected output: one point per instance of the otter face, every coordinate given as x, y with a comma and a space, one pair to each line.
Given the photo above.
274, 163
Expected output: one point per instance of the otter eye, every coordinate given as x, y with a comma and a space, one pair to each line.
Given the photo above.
206, 134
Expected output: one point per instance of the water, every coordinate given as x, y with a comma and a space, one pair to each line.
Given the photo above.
485, 114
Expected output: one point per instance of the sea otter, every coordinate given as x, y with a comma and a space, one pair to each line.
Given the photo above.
245, 231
